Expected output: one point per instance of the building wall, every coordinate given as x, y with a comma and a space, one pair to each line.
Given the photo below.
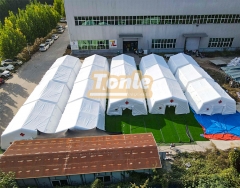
149, 32
74, 180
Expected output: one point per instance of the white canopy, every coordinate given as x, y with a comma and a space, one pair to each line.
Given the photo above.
189, 73
82, 114
124, 66
43, 109
37, 115
60, 74
180, 60
82, 111
69, 62
165, 90
156, 67
81, 90
52, 92
207, 97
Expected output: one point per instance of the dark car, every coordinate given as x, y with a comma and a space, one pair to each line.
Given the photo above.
2, 81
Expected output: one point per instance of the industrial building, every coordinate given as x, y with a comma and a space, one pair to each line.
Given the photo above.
79, 161
153, 25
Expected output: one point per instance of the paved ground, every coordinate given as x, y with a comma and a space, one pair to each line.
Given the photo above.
16, 90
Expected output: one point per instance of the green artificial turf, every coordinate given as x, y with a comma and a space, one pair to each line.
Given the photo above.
166, 128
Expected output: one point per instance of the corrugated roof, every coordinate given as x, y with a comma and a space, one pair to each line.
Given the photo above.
69, 156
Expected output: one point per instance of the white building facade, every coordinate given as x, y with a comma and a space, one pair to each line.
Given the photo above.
153, 25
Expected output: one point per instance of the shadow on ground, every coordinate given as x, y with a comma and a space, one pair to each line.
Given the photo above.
15, 89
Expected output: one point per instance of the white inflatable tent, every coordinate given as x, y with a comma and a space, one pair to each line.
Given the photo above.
69, 62
189, 73
124, 66
165, 89
180, 60
52, 92
83, 112
37, 115
43, 109
207, 97
60, 74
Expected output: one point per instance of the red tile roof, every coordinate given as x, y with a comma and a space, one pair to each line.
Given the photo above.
85, 155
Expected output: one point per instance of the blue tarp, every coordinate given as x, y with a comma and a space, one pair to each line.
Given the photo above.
220, 124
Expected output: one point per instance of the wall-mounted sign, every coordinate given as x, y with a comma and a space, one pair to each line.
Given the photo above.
113, 43
74, 45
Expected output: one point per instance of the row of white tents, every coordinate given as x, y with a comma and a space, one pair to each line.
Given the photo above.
204, 95
44, 107
84, 112
63, 99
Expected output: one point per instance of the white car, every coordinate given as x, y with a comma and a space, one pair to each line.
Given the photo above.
6, 66
5, 74
60, 30
50, 41
55, 36
43, 47
62, 20
12, 62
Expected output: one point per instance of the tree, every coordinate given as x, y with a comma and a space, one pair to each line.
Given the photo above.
7, 180
97, 184
12, 41
57, 5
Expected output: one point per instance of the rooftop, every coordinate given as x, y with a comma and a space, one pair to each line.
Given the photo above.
85, 155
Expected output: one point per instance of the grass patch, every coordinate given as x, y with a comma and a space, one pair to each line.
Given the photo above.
166, 128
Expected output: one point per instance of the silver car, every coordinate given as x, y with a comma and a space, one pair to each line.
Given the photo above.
50, 41
12, 62
43, 47
6, 66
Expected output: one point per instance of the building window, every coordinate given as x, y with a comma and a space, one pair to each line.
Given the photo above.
163, 43
156, 20
220, 42
104, 179
93, 44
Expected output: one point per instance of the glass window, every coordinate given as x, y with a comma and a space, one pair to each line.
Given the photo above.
163, 43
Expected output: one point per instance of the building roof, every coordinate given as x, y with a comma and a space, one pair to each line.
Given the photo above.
70, 156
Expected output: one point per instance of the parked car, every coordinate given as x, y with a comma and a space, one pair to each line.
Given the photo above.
5, 74
50, 41
60, 30
63, 20
55, 36
2, 81
59, 26
43, 47
6, 66
12, 61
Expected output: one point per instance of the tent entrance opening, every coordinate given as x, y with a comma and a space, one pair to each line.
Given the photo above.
170, 109
127, 112
130, 46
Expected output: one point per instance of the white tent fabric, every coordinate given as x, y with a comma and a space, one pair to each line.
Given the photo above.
60, 74
37, 115
165, 90
189, 73
43, 109
180, 60
156, 67
53, 92
82, 114
124, 66
82, 111
69, 62
81, 90
207, 97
